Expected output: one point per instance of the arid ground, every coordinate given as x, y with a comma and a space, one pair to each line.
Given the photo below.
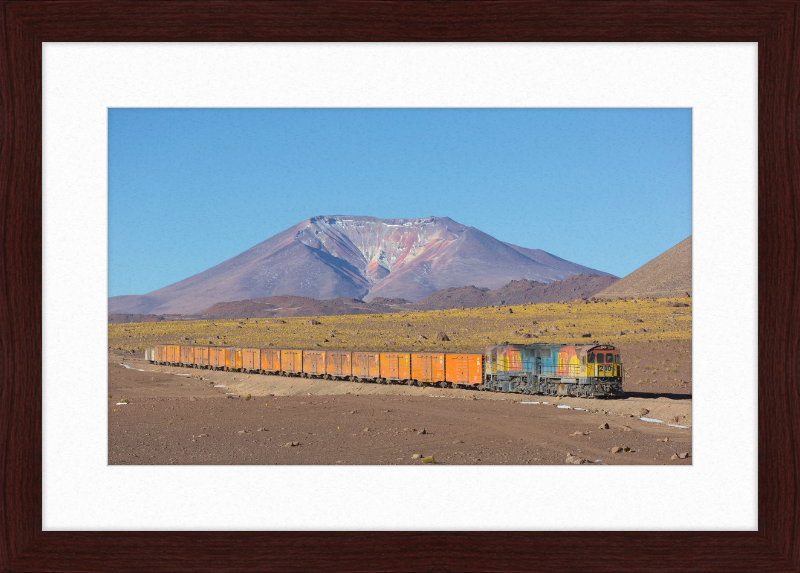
184, 416
191, 416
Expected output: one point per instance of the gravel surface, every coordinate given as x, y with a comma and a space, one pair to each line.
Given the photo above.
182, 419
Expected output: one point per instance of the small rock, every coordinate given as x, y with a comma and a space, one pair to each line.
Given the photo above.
684, 455
604, 426
422, 337
422, 431
674, 457
291, 444
441, 337
261, 430
616, 450
644, 412
676, 419
312, 322
416, 456
575, 460
586, 335
242, 432
366, 429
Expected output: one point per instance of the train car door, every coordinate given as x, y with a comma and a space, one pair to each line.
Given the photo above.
462, 369
337, 363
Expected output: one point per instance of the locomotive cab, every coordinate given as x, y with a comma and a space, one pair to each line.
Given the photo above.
602, 370
602, 363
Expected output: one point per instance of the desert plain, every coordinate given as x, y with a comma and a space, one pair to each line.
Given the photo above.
168, 415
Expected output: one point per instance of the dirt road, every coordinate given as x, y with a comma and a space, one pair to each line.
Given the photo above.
173, 416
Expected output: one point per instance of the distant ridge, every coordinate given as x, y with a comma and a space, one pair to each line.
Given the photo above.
668, 275
516, 292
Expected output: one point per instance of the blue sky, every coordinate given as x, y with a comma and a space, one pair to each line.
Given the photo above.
190, 188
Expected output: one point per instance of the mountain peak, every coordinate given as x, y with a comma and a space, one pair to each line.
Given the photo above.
329, 256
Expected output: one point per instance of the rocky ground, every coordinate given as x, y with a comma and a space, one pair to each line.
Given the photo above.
184, 416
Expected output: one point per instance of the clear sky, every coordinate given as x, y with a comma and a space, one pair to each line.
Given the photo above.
189, 188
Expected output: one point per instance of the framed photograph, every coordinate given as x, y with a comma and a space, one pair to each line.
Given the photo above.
311, 539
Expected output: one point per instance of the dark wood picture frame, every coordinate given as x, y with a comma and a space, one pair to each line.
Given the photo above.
25, 24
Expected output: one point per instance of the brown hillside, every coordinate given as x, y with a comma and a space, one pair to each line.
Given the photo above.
516, 292
668, 275
288, 305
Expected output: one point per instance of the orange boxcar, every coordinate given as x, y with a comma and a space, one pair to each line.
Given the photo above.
173, 353
201, 356
292, 361
251, 359
337, 364
427, 367
313, 362
187, 355
233, 358
366, 365
216, 357
270, 360
396, 365
161, 352
464, 369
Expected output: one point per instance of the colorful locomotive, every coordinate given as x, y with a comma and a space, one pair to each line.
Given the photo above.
592, 371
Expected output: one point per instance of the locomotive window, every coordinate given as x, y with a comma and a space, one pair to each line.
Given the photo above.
591, 359
600, 358
609, 358
616, 359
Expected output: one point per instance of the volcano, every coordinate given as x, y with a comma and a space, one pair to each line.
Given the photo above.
327, 257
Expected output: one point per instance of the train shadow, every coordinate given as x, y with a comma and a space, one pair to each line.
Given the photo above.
651, 395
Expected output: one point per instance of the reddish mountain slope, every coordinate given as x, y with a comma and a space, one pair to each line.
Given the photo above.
330, 257
668, 275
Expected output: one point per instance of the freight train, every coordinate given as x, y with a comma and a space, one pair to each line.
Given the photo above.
591, 371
